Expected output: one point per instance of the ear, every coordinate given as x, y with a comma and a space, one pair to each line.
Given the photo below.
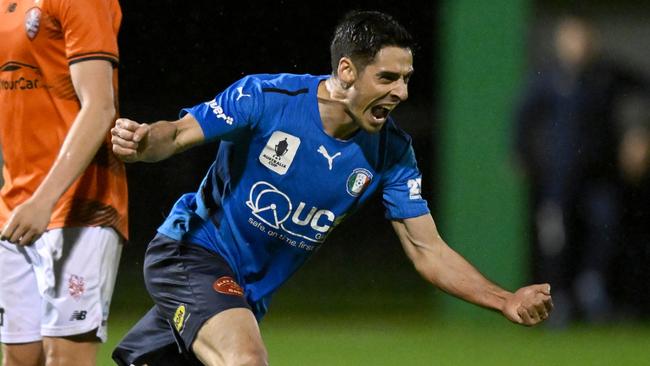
347, 72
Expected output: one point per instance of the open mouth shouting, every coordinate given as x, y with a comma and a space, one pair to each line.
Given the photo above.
380, 113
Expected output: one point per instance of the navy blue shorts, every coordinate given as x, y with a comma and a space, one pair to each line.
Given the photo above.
189, 284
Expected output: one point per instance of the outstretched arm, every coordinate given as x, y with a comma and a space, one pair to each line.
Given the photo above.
450, 272
133, 141
93, 84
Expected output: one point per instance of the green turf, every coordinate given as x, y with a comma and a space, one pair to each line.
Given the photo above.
334, 328
426, 343
413, 340
401, 339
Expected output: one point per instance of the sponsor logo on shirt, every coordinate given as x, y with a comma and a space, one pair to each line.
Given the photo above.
279, 152
326, 155
278, 216
15, 65
227, 285
241, 94
179, 318
33, 22
357, 181
219, 112
415, 188
19, 84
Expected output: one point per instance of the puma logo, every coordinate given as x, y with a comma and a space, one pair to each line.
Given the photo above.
240, 90
327, 156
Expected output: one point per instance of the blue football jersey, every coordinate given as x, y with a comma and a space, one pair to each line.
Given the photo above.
279, 184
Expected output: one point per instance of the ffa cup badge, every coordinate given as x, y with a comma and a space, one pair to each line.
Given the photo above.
279, 152
32, 22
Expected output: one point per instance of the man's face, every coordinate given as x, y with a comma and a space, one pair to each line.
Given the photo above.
574, 42
380, 87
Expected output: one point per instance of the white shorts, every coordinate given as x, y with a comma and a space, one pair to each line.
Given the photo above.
59, 286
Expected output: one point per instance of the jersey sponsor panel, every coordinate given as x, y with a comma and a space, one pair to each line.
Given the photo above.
20, 83
282, 217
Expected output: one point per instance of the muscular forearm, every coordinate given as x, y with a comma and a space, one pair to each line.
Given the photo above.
86, 135
133, 141
443, 267
450, 272
161, 142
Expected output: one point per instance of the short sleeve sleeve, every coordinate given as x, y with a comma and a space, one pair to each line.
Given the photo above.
235, 109
90, 29
402, 189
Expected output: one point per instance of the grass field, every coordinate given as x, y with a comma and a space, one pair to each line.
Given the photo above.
418, 339
356, 323
333, 328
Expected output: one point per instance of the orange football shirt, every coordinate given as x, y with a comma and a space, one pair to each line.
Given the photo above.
40, 39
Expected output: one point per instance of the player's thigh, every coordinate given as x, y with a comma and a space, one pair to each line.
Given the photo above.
76, 278
231, 337
190, 285
20, 300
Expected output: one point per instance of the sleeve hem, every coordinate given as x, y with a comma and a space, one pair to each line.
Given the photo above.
107, 57
408, 214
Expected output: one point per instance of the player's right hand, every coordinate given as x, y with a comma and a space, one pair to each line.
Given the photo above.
129, 139
529, 305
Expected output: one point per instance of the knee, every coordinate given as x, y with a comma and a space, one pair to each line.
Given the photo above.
239, 356
248, 357
231, 338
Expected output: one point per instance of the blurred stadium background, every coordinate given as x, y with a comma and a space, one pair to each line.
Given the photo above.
358, 301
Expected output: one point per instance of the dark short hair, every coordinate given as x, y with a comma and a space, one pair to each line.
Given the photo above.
361, 34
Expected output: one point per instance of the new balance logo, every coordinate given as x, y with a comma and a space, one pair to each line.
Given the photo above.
330, 159
78, 315
240, 90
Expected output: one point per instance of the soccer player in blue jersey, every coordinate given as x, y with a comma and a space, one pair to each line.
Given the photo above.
298, 153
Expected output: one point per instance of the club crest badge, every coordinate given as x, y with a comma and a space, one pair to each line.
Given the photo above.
357, 182
279, 152
33, 22
76, 286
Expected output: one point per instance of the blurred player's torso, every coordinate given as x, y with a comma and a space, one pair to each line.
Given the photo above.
38, 103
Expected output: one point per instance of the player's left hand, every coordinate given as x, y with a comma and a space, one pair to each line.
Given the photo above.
529, 305
26, 223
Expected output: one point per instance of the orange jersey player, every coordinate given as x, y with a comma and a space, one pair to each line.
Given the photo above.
63, 206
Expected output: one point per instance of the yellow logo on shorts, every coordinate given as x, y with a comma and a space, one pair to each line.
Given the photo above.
179, 317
